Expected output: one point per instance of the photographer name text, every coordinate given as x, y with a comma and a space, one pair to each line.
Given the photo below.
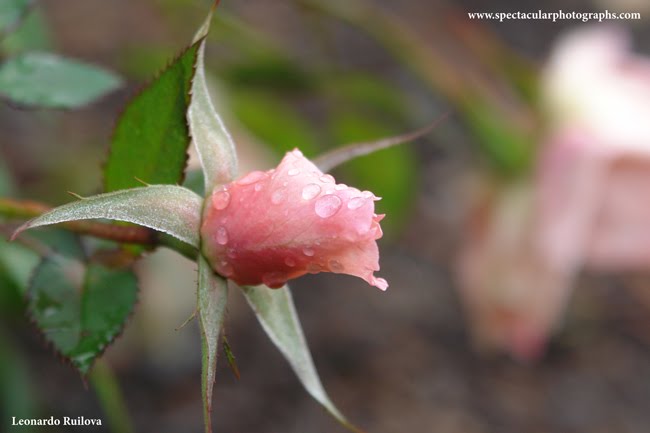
66, 420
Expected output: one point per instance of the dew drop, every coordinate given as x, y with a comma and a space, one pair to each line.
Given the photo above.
314, 268
226, 269
290, 262
327, 178
367, 194
293, 172
327, 205
310, 191
356, 202
221, 199
222, 236
341, 187
308, 252
335, 266
274, 279
278, 196
258, 186
251, 178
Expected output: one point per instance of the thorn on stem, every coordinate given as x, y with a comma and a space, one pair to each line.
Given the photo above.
75, 195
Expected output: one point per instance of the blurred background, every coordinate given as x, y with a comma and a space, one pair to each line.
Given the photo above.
519, 294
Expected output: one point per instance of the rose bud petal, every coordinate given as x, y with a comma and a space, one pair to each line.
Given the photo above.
270, 227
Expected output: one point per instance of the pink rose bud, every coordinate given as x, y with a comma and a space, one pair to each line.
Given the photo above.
270, 227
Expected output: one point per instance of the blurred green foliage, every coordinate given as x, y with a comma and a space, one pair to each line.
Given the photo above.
508, 150
50, 81
17, 393
274, 121
11, 12
31, 35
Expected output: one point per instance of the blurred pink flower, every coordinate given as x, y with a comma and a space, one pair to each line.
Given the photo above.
594, 170
512, 293
269, 227
588, 204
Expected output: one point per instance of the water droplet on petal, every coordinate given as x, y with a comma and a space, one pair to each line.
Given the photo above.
290, 262
222, 236
335, 266
341, 187
258, 186
314, 268
310, 191
356, 202
226, 270
327, 178
221, 199
367, 194
251, 178
327, 205
274, 279
278, 196
308, 252
293, 172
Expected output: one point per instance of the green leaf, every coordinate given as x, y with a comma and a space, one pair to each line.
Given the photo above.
80, 310
212, 297
151, 137
276, 313
11, 12
212, 141
170, 209
17, 263
51, 81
